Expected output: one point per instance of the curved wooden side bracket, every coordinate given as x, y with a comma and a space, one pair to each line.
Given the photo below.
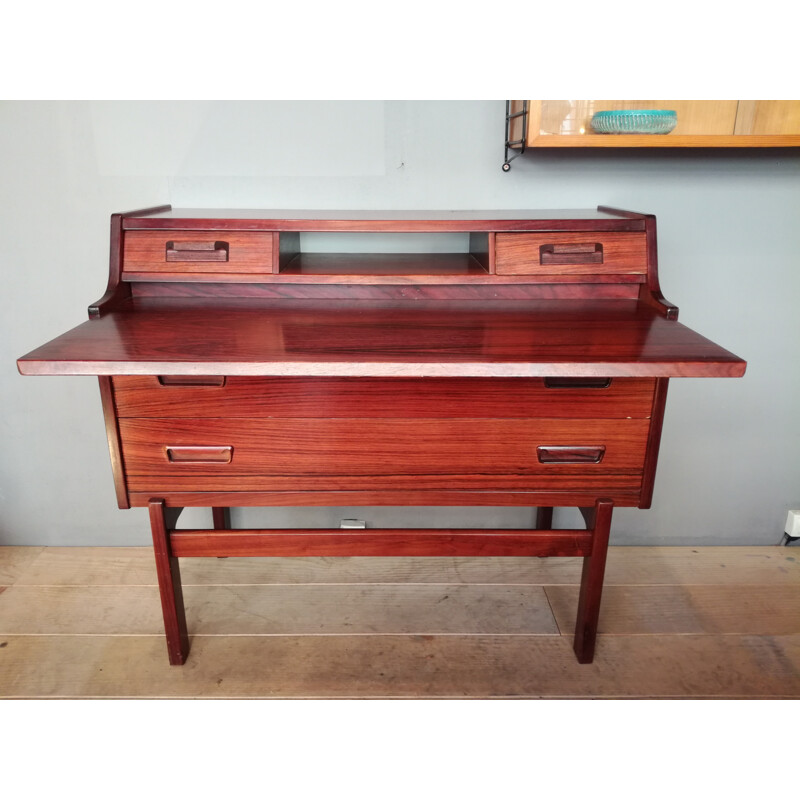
649, 292
116, 291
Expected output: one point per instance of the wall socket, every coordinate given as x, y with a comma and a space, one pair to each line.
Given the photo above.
793, 524
360, 524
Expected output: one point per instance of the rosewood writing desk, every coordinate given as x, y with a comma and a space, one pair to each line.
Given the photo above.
527, 364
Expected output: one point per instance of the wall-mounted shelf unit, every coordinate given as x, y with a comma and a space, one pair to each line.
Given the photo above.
701, 123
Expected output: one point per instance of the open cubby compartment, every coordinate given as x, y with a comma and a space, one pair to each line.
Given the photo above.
368, 254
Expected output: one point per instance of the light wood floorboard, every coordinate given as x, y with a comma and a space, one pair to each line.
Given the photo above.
115, 566
402, 666
675, 623
271, 610
688, 609
14, 561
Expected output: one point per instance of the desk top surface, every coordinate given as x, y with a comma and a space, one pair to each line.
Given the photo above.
613, 338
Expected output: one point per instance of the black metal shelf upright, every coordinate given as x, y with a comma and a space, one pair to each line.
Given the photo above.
516, 144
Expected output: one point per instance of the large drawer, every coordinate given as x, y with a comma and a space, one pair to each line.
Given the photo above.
198, 252
246, 397
554, 253
341, 454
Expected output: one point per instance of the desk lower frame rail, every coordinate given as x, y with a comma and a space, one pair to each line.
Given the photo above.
171, 544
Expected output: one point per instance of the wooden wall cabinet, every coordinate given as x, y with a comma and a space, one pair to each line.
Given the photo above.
701, 123
528, 367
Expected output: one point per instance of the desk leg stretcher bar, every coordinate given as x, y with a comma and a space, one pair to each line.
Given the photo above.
171, 544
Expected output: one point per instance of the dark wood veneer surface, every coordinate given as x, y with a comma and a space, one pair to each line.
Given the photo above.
533, 339
406, 398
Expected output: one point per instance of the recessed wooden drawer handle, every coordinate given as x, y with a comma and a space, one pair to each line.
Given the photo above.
197, 251
558, 454
577, 383
191, 380
589, 253
187, 454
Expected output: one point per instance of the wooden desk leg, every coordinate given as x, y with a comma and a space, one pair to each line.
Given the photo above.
222, 518
598, 519
169, 583
544, 518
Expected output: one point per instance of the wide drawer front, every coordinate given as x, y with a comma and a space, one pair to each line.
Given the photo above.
198, 252
554, 253
232, 397
340, 454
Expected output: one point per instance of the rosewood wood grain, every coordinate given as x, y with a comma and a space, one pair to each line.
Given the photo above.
327, 273
571, 254
653, 295
196, 253
571, 483
654, 441
420, 266
112, 436
512, 288
392, 221
338, 450
221, 517
197, 250
409, 496
650, 292
147, 396
169, 584
117, 292
591, 590
388, 542
506, 339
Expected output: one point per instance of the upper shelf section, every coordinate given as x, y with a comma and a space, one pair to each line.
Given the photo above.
602, 253
385, 248
701, 123
392, 221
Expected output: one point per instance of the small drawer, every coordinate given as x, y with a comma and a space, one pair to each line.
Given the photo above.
555, 253
198, 252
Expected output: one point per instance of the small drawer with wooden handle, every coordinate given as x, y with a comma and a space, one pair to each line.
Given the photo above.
571, 253
197, 252
351, 454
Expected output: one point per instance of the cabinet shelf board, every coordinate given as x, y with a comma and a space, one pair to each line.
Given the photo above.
384, 264
665, 141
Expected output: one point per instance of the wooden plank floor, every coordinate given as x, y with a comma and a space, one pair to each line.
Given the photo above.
713, 622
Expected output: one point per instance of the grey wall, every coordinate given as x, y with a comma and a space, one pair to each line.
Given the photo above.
729, 241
